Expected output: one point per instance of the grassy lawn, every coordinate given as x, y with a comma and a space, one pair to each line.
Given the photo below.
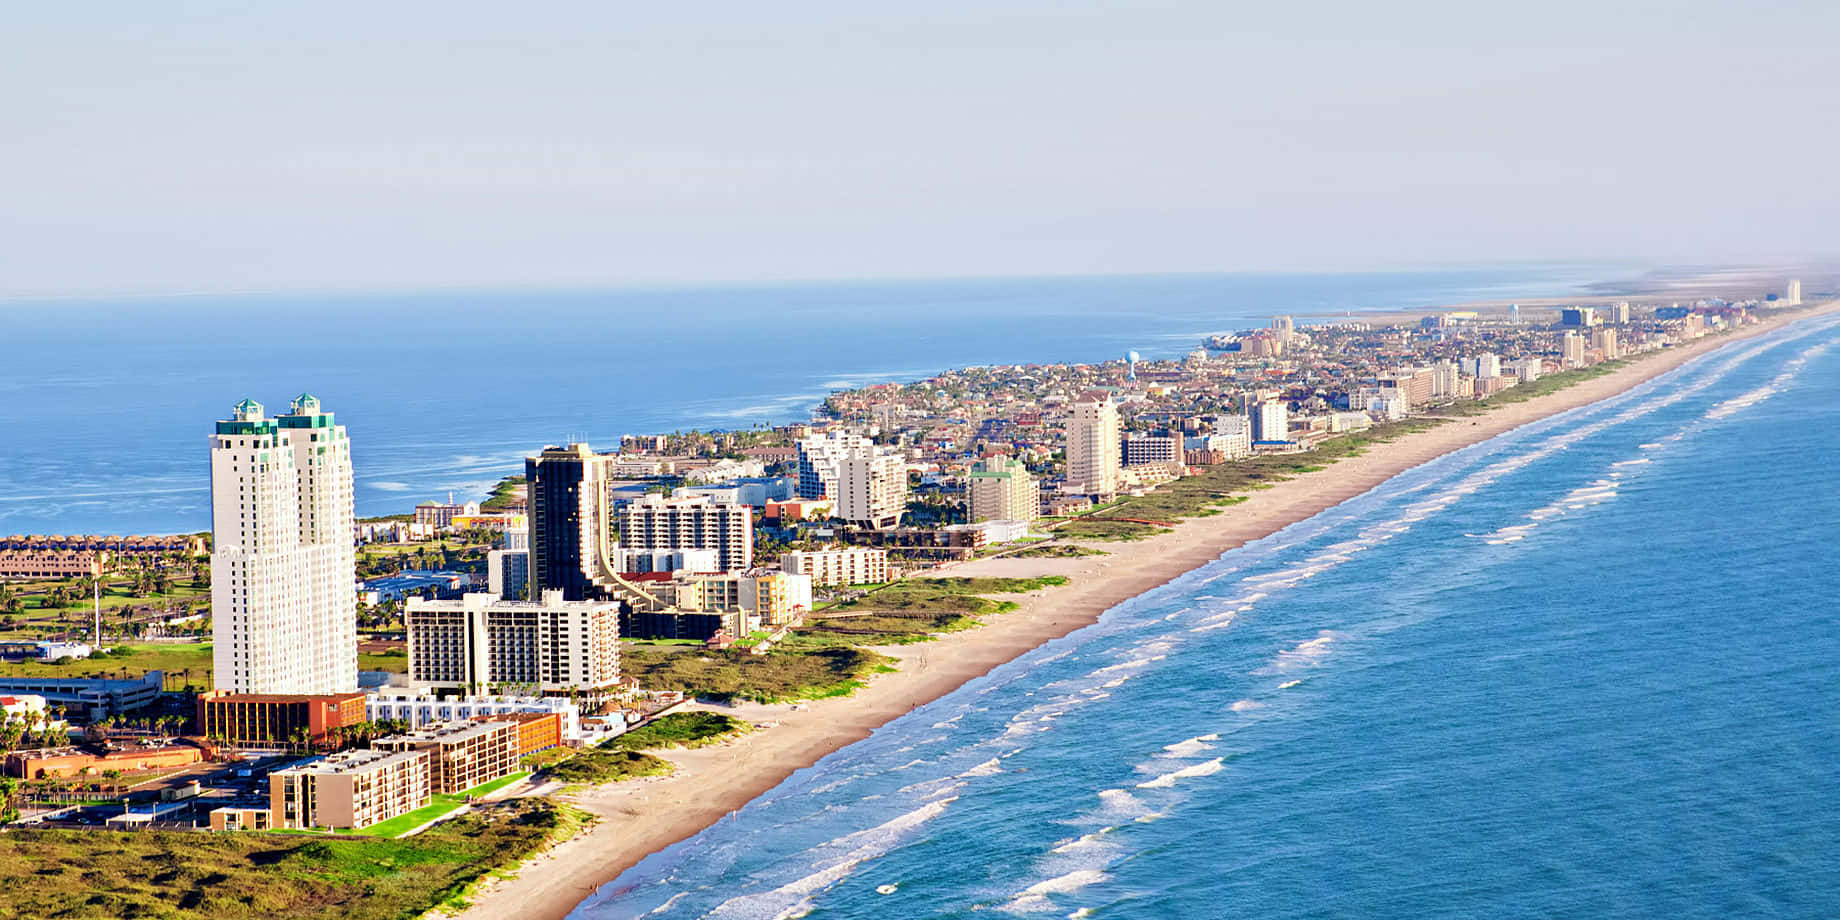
134, 660
394, 660
437, 807
195, 876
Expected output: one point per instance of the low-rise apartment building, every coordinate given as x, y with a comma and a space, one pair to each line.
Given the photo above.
350, 789
461, 755
839, 566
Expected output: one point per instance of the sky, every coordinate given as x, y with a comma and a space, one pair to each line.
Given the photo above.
178, 146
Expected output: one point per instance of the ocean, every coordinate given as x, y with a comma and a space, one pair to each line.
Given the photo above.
105, 405
1585, 669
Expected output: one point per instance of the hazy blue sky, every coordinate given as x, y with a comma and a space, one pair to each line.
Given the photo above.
185, 146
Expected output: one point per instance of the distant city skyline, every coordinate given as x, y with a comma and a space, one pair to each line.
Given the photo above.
223, 148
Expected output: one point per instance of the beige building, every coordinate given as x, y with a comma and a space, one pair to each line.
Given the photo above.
349, 789
871, 487
1001, 489
693, 522
1092, 446
460, 754
767, 598
478, 641
839, 566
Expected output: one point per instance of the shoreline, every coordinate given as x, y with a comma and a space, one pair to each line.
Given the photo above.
638, 818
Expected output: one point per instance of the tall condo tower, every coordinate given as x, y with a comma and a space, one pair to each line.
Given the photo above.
1092, 446
283, 566
1792, 294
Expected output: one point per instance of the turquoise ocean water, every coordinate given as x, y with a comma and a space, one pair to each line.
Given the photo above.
1586, 669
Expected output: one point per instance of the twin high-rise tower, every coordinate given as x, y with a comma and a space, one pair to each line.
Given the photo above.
282, 561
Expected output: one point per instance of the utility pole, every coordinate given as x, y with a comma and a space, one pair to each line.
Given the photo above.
96, 583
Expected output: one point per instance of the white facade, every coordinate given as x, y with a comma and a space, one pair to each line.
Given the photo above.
1445, 378
1792, 293
839, 566
420, 708
697, 522
1526, 369
1270, 422
508, 572
283, 566
477, 641
871, 487
642, 561
1484, 366
1092, 446
819, 456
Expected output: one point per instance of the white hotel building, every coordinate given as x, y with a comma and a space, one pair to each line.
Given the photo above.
283, 563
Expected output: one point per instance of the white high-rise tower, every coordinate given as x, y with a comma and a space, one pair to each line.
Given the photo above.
282, 560
1792, 294
1092, 446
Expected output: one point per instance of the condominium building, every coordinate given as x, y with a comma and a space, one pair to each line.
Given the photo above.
1792, 293
819, 456
508, 572
871, 487
1145, 449
1001, 489
349, 789
461, 754
1605, 341
569, 520
1270, 422
1484, 366
283, 565
1444, 379
479, 640
1571, 349
655, 523
1092, 446
839, 566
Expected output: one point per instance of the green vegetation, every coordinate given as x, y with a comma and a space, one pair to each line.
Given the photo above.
680, 729
126, 661
893, 628
509, 490
1222, 485
788, 672
947, 595
177, 875
1054, 551
438, 806
1550, 383
395, 660
599, 765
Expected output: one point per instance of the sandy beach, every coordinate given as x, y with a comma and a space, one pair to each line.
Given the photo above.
638, 818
